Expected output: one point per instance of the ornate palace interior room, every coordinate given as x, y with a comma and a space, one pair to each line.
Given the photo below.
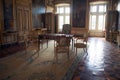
59, 39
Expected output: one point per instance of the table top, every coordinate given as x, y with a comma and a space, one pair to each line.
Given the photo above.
54, 35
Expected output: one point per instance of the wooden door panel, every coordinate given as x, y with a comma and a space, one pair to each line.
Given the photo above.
19, 19
27, 22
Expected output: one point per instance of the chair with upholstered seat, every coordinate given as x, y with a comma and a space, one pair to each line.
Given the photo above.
29, 39
81, 42
62, 45
118, 40
31, 42
66, 29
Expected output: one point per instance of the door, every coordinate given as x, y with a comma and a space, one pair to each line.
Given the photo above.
23, 18
50, 18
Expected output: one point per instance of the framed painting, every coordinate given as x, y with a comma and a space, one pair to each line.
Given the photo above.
8, 14
79, 13
38, 12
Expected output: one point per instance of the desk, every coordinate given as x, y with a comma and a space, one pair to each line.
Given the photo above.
53, 37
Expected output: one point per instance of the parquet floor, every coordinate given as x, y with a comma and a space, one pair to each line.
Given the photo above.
102, 62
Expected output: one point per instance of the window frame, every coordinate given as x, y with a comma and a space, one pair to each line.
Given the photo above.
97, 14
64, 14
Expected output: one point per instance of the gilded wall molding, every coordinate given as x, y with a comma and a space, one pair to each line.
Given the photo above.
62, 1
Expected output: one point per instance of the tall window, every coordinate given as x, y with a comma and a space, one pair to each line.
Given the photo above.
63, 12
97, 16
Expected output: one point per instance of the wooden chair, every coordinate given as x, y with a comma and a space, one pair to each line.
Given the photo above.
31, 42
62, 45
66, 29
39, 32
81, 42
118, 40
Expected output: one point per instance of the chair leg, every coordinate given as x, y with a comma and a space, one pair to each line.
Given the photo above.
68, 54
42, 45
56, 57
47, 43
76, 51
55, 54
84, 49
72, 44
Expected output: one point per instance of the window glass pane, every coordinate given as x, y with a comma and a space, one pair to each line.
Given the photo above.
67, 9
67, 19
102, 8
61, 10
57, 9
97, 17
101, 22
63, 16
92, 22
93, 8
61, 22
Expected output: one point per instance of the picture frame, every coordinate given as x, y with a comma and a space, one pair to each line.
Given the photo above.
8, 14
79, 13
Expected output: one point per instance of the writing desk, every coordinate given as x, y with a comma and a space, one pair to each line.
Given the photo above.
53, 37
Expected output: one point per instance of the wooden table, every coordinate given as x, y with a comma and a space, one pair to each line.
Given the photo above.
53, 37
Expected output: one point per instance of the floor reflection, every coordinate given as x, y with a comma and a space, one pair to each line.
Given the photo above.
102, 62
95, 57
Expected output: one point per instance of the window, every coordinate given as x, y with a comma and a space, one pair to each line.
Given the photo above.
92, 22
93, 8
67, 10
102, 8
97, 17
63, 12
101, 22
61, 22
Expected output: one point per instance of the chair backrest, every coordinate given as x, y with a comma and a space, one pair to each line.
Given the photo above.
63, 41
66, 29
31, 40
62, 46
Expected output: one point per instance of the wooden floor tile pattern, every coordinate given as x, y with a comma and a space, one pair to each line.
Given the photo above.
102, 62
